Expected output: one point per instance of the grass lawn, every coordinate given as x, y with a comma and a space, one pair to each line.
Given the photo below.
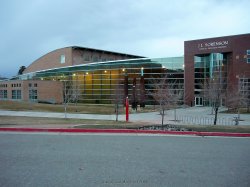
10, 121
80, 108
219, 128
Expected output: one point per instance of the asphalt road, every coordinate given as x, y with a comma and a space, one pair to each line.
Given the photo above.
122, 160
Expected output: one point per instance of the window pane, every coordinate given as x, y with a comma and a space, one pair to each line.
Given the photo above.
62, 60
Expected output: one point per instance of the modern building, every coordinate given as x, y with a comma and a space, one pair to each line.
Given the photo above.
94, 76
27, 87
227, 56
97, 76
103, 82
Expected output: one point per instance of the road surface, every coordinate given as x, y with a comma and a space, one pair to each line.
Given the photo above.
53, 159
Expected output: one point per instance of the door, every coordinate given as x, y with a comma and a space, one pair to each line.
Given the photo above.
198, 101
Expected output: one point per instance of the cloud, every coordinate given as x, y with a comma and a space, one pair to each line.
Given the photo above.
153, 28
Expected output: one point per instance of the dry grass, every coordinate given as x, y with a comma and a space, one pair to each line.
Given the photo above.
80, 108
17, 121
218, 128
235, 111
36, 122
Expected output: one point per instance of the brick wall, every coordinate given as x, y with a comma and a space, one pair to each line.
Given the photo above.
74, 56
235, 46
47, 91
51, 60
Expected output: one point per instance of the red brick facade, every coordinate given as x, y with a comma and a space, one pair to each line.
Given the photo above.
46, 91
71, 56
236, 48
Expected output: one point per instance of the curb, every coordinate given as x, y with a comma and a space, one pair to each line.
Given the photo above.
126, 131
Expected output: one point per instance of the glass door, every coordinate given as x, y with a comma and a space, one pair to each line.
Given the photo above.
198, 101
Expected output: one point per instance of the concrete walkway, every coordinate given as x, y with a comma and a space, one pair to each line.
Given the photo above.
191, 115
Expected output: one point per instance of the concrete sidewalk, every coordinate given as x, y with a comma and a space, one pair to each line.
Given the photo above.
197, 114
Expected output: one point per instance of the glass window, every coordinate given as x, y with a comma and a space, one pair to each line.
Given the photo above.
33, 94
99, 86
62, 59
3, 94
248, 52
16, 94
248, 60
35, 85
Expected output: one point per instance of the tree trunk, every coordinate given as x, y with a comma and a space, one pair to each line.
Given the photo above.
65, 110
238, 113
76, 106
116, 112
175, 114
215, 116
162, 118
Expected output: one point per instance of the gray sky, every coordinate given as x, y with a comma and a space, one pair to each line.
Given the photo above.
152, 28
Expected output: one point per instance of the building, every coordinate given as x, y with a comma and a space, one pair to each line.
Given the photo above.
99, 82
228, 56
94, 76
32, 90
72, 56
97, 76
22, 87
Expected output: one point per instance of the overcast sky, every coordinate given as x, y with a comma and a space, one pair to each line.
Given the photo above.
152, 28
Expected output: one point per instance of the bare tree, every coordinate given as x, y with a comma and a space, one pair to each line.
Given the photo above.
76, 93
21, 70
238, 97
214, 92
67, 94
166, 94
245, 91
118, 98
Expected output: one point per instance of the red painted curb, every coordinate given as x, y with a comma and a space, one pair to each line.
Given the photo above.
127, 131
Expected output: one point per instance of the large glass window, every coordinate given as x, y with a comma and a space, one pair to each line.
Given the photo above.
98, 82
207, 67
